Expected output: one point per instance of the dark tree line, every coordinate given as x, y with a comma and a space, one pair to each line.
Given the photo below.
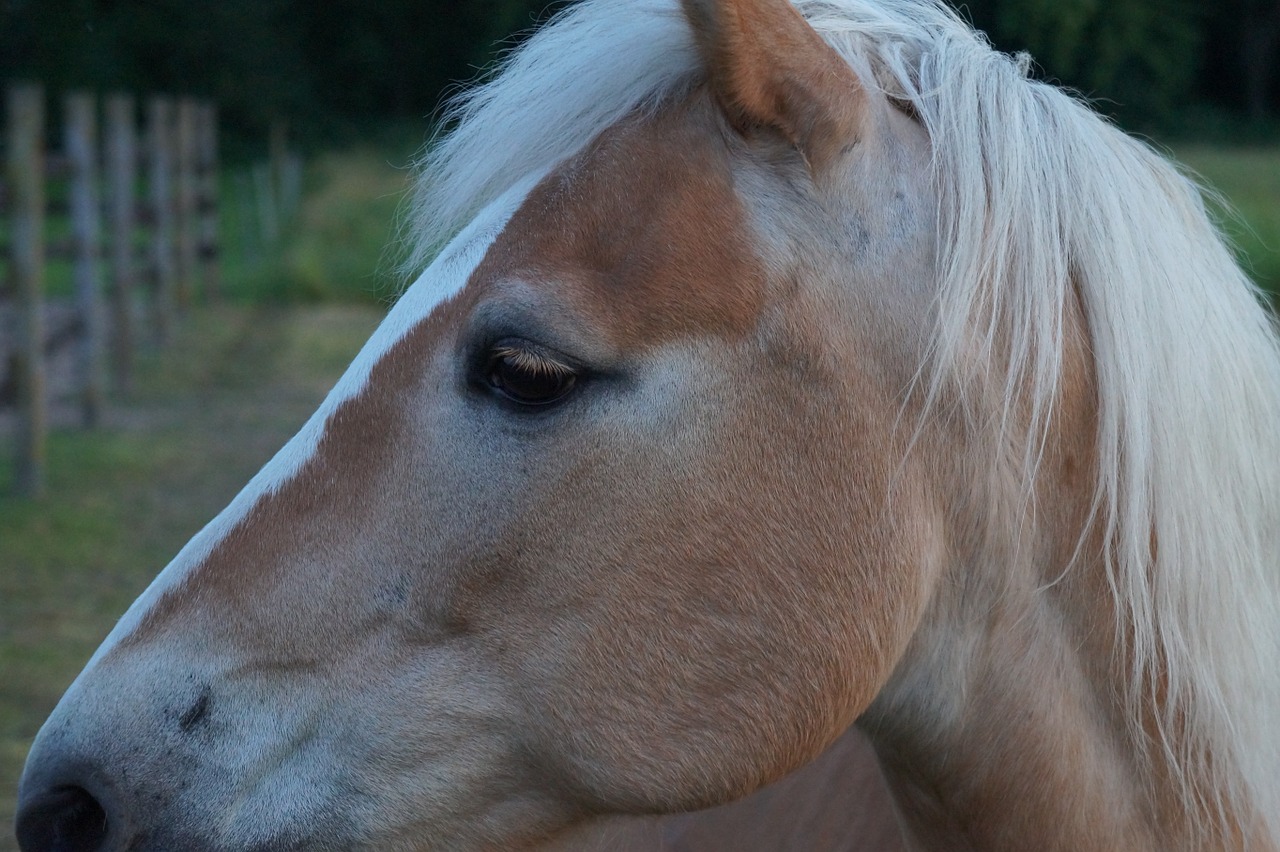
336, 67
1148, 61
330, 67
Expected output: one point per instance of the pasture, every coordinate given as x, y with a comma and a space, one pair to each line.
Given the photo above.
1250, 181
124, 499
240, 380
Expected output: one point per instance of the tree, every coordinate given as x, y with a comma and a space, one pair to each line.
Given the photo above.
1260, 42
1134, 58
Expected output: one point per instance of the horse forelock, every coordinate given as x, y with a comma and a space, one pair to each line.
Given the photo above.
1041, 203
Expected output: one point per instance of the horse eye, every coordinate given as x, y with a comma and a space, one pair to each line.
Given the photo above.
527, 375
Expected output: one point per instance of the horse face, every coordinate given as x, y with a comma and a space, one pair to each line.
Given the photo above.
623, 525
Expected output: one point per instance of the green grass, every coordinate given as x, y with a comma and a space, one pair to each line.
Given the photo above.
334, 247
206, 413
1250, 181
123, 500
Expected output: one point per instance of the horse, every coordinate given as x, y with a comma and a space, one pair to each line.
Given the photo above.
782, 378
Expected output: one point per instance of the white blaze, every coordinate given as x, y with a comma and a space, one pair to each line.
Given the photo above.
442, 280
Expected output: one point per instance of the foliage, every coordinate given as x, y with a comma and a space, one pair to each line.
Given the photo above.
335, 246
245, 54
330, 67
327, 67
1135, 58
1249, 181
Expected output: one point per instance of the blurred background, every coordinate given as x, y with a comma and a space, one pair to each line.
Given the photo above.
337, 75
340, 68
321, 105
337, 69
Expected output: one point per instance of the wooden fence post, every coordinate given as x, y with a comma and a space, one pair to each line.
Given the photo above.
185, 151
207, 159
160, 144
80, 144
25, 117
122, 165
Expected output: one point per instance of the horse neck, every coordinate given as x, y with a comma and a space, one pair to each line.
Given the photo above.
1013, 735
1005, 725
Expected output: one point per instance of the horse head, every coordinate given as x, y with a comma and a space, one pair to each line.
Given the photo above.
644, 492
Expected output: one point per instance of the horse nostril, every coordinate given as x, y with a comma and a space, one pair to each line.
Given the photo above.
65, 819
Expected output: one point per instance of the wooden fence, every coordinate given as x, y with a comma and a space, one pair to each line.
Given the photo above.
141, 199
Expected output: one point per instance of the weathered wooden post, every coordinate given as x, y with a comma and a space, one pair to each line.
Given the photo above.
80, 144
160, 144
24, 106
185, 221
207, 159
122, 167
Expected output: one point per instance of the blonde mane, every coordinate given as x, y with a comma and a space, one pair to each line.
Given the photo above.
1040, 200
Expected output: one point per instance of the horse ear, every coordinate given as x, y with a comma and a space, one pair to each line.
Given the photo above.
769, 68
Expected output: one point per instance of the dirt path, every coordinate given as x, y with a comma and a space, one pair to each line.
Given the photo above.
122, 500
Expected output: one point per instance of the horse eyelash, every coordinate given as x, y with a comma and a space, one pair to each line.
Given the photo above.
536, 362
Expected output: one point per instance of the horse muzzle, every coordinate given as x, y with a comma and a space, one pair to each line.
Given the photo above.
71, 802
68, 817
138, 769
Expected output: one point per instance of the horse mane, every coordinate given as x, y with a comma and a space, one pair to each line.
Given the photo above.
1041, 202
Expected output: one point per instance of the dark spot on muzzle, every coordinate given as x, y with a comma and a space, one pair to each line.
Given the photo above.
196, 713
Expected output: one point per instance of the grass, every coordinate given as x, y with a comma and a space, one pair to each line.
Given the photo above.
334, 247
1250, 180
205, 415
123, 500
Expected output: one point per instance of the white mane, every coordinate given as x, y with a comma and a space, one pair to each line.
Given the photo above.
1038, 195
